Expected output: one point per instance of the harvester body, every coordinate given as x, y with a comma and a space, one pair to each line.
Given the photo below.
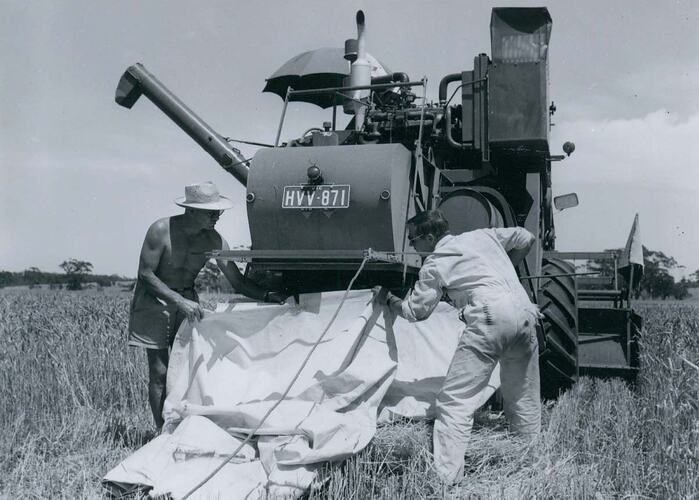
317, 202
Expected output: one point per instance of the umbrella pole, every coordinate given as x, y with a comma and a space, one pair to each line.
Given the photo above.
334, 114
281, 120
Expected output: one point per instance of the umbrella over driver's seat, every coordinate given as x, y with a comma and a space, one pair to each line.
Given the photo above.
317, 69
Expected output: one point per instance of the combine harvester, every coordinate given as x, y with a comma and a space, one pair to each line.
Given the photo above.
318, 204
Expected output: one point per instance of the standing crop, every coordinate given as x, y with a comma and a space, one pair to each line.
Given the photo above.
73, 404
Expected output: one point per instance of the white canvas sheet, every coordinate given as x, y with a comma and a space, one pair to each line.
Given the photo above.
228, 369
424, 352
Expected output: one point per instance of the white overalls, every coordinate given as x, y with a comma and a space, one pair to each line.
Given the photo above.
500, 327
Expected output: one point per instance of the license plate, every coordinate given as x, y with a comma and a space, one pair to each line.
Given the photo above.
335, 196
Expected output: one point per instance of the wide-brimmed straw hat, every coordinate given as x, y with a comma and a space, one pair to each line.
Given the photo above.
204, 196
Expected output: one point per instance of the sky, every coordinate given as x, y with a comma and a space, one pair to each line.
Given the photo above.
82, 177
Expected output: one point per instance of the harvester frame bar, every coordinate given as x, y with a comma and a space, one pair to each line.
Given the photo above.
319, 255
377, 86
611, 255
557, 275
607, 255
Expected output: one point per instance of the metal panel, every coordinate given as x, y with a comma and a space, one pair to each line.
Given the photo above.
604, 282
520, 34
609, 371
474, 104
605, 350
518, 81
603, 320
370, 220
467, 104
517, 107
608, 342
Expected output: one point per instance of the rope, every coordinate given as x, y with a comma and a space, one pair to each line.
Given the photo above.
253, 143
286, 392
228, 167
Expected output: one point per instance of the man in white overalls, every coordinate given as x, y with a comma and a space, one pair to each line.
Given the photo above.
500, 327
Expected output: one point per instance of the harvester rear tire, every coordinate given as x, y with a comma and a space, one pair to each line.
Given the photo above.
558, 363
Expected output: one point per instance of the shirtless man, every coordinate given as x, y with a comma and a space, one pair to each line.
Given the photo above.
172, 255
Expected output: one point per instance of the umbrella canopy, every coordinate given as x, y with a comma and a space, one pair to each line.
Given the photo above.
316, 69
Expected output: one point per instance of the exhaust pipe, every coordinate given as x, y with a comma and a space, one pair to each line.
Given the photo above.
360, 74
136, 80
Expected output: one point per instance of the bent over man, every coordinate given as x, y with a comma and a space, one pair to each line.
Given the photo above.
172, 255
500, 327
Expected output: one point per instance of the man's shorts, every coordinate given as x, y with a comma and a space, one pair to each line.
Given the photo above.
153, 323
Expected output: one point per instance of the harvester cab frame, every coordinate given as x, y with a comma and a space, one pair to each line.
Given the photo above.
320, 204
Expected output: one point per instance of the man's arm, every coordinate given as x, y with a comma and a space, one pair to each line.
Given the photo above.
422, 299
517, 255
516, 241
243, 285
152, 250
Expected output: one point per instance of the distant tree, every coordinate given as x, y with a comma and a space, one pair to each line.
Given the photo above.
657, 282
657, 257
693, 279
33, 276
76, 270
681, 289
6, 278
103, 281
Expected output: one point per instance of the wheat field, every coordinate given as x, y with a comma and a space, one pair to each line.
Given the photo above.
73, 404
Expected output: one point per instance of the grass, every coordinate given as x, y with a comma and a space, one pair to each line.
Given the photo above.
72, 396
73, 404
